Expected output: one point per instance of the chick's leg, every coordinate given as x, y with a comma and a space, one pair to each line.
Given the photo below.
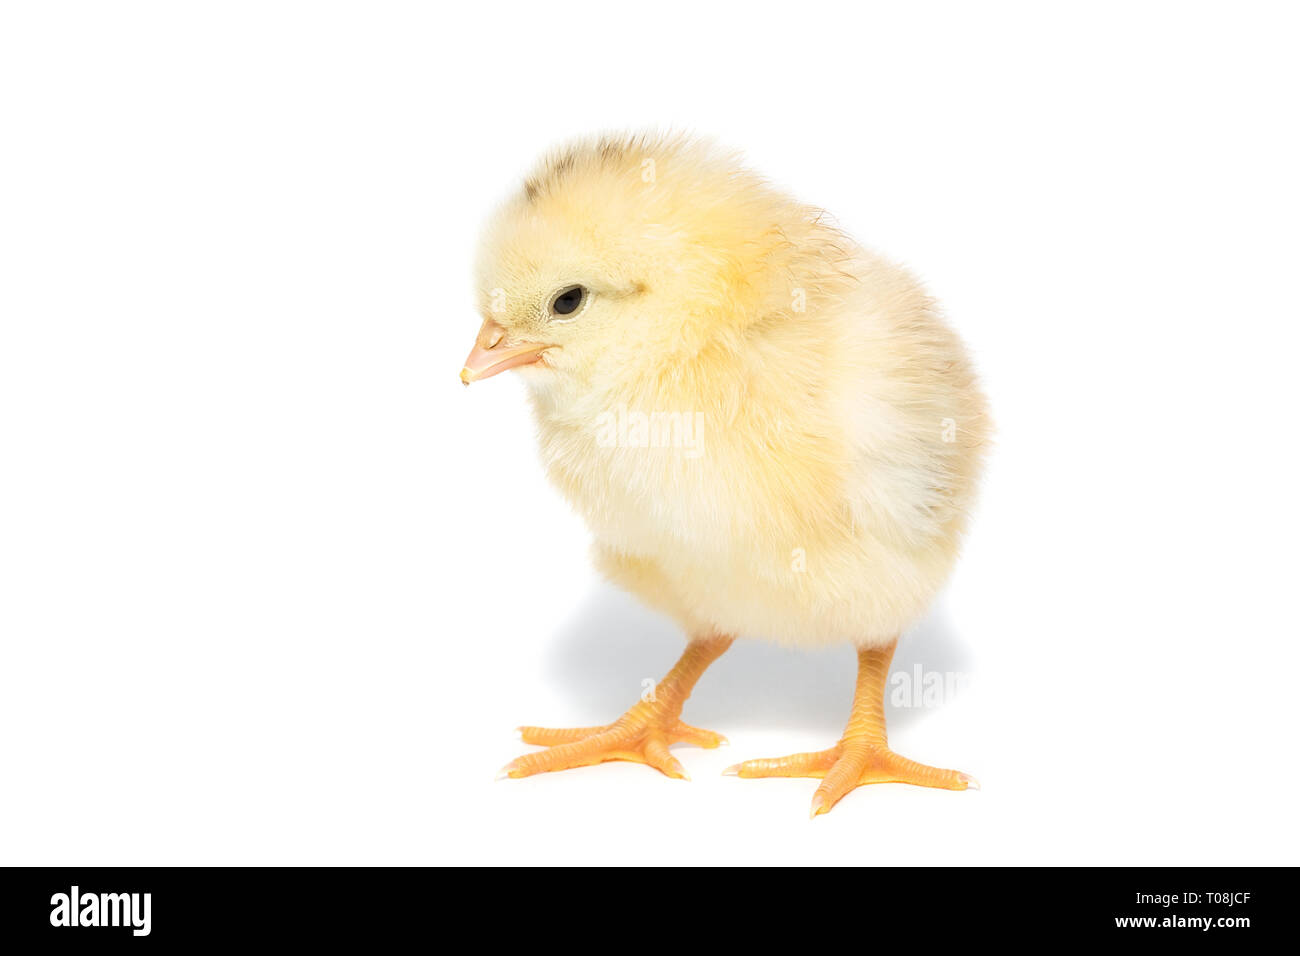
642, 735
862, 756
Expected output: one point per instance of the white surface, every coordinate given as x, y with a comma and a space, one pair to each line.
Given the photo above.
276, 588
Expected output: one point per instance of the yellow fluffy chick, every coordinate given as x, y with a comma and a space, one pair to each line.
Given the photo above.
770, 430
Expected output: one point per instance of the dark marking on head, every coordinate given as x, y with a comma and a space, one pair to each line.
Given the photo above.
608, 152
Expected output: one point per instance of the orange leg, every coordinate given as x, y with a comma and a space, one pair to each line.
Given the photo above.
642, 735
862, 756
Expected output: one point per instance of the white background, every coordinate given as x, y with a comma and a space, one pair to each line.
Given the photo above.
274, 588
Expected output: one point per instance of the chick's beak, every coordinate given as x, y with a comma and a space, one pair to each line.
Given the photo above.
492, 353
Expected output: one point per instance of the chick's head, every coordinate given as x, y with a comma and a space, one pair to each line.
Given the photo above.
625, 254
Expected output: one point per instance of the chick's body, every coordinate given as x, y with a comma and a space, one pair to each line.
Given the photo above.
815, 482
770, 430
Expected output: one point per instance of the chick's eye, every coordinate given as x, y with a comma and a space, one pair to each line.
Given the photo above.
567, 302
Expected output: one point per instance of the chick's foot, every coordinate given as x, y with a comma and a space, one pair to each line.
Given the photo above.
862, 756
642, 735
852, 763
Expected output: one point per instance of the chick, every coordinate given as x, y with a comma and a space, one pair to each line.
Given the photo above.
769, 430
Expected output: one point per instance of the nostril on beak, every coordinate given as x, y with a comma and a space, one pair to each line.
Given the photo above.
492, 337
